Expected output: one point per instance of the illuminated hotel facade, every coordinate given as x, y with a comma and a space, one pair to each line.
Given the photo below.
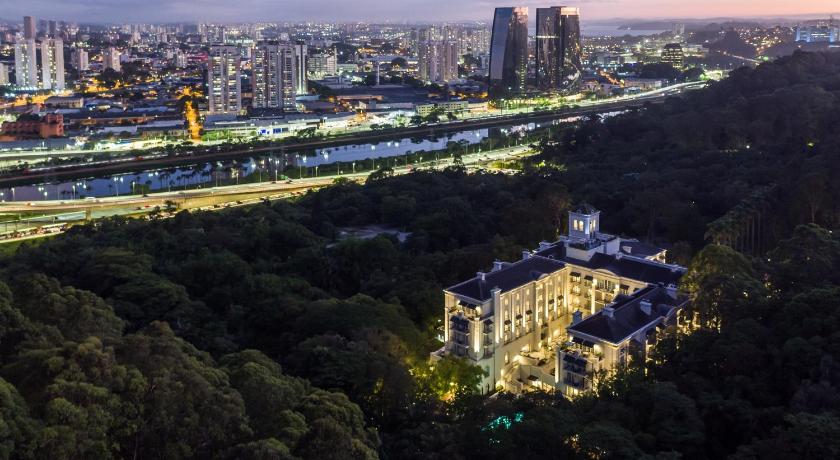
564, 312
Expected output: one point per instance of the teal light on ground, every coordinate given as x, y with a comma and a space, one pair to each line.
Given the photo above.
504, 421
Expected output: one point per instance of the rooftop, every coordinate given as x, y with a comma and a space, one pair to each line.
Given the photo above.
509, 277
639, 249
628, 317
585, 208
632, 267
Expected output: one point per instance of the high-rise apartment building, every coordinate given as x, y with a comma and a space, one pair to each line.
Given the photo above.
509, 51
438, 61
80, 60
26, 67
301, 53
111, 59
273, 65
4, 75
224, 86
180, 60
30, 30
52, 64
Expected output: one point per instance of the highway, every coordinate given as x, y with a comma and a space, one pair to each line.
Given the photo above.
128, 164
58, 215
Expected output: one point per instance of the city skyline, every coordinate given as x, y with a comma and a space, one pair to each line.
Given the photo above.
112, 11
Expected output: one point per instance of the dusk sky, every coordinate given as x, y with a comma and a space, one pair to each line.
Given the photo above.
394, 10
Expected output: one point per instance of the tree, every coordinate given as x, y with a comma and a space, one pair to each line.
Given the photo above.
269, 396
449, 379
179, 420
17, 428
808, 257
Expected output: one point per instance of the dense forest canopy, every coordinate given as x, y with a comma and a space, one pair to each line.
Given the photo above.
262, 332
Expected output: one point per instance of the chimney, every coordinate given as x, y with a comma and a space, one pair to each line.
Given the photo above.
526, 255
577, 317
480, 275
646, 306
609, 312
497, 265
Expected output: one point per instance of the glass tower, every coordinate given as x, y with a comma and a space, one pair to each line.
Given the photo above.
558, 49
571, 55
549, 49
509, 52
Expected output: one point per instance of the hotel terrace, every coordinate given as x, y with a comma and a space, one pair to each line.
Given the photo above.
564, 313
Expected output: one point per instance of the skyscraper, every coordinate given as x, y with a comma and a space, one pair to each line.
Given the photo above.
274, 76
549, 48
52, 64
558, 49
509, 51
301, 53
29, 28
26, 67
224, 86
438, 61
572, 68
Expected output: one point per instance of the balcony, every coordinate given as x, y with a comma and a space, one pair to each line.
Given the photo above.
575, 369
577, 383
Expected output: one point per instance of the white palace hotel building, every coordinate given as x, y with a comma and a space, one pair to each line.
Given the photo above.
551, 321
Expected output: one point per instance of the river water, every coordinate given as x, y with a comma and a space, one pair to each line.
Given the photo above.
263, 167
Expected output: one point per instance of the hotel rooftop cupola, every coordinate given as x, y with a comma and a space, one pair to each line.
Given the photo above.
584, 223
